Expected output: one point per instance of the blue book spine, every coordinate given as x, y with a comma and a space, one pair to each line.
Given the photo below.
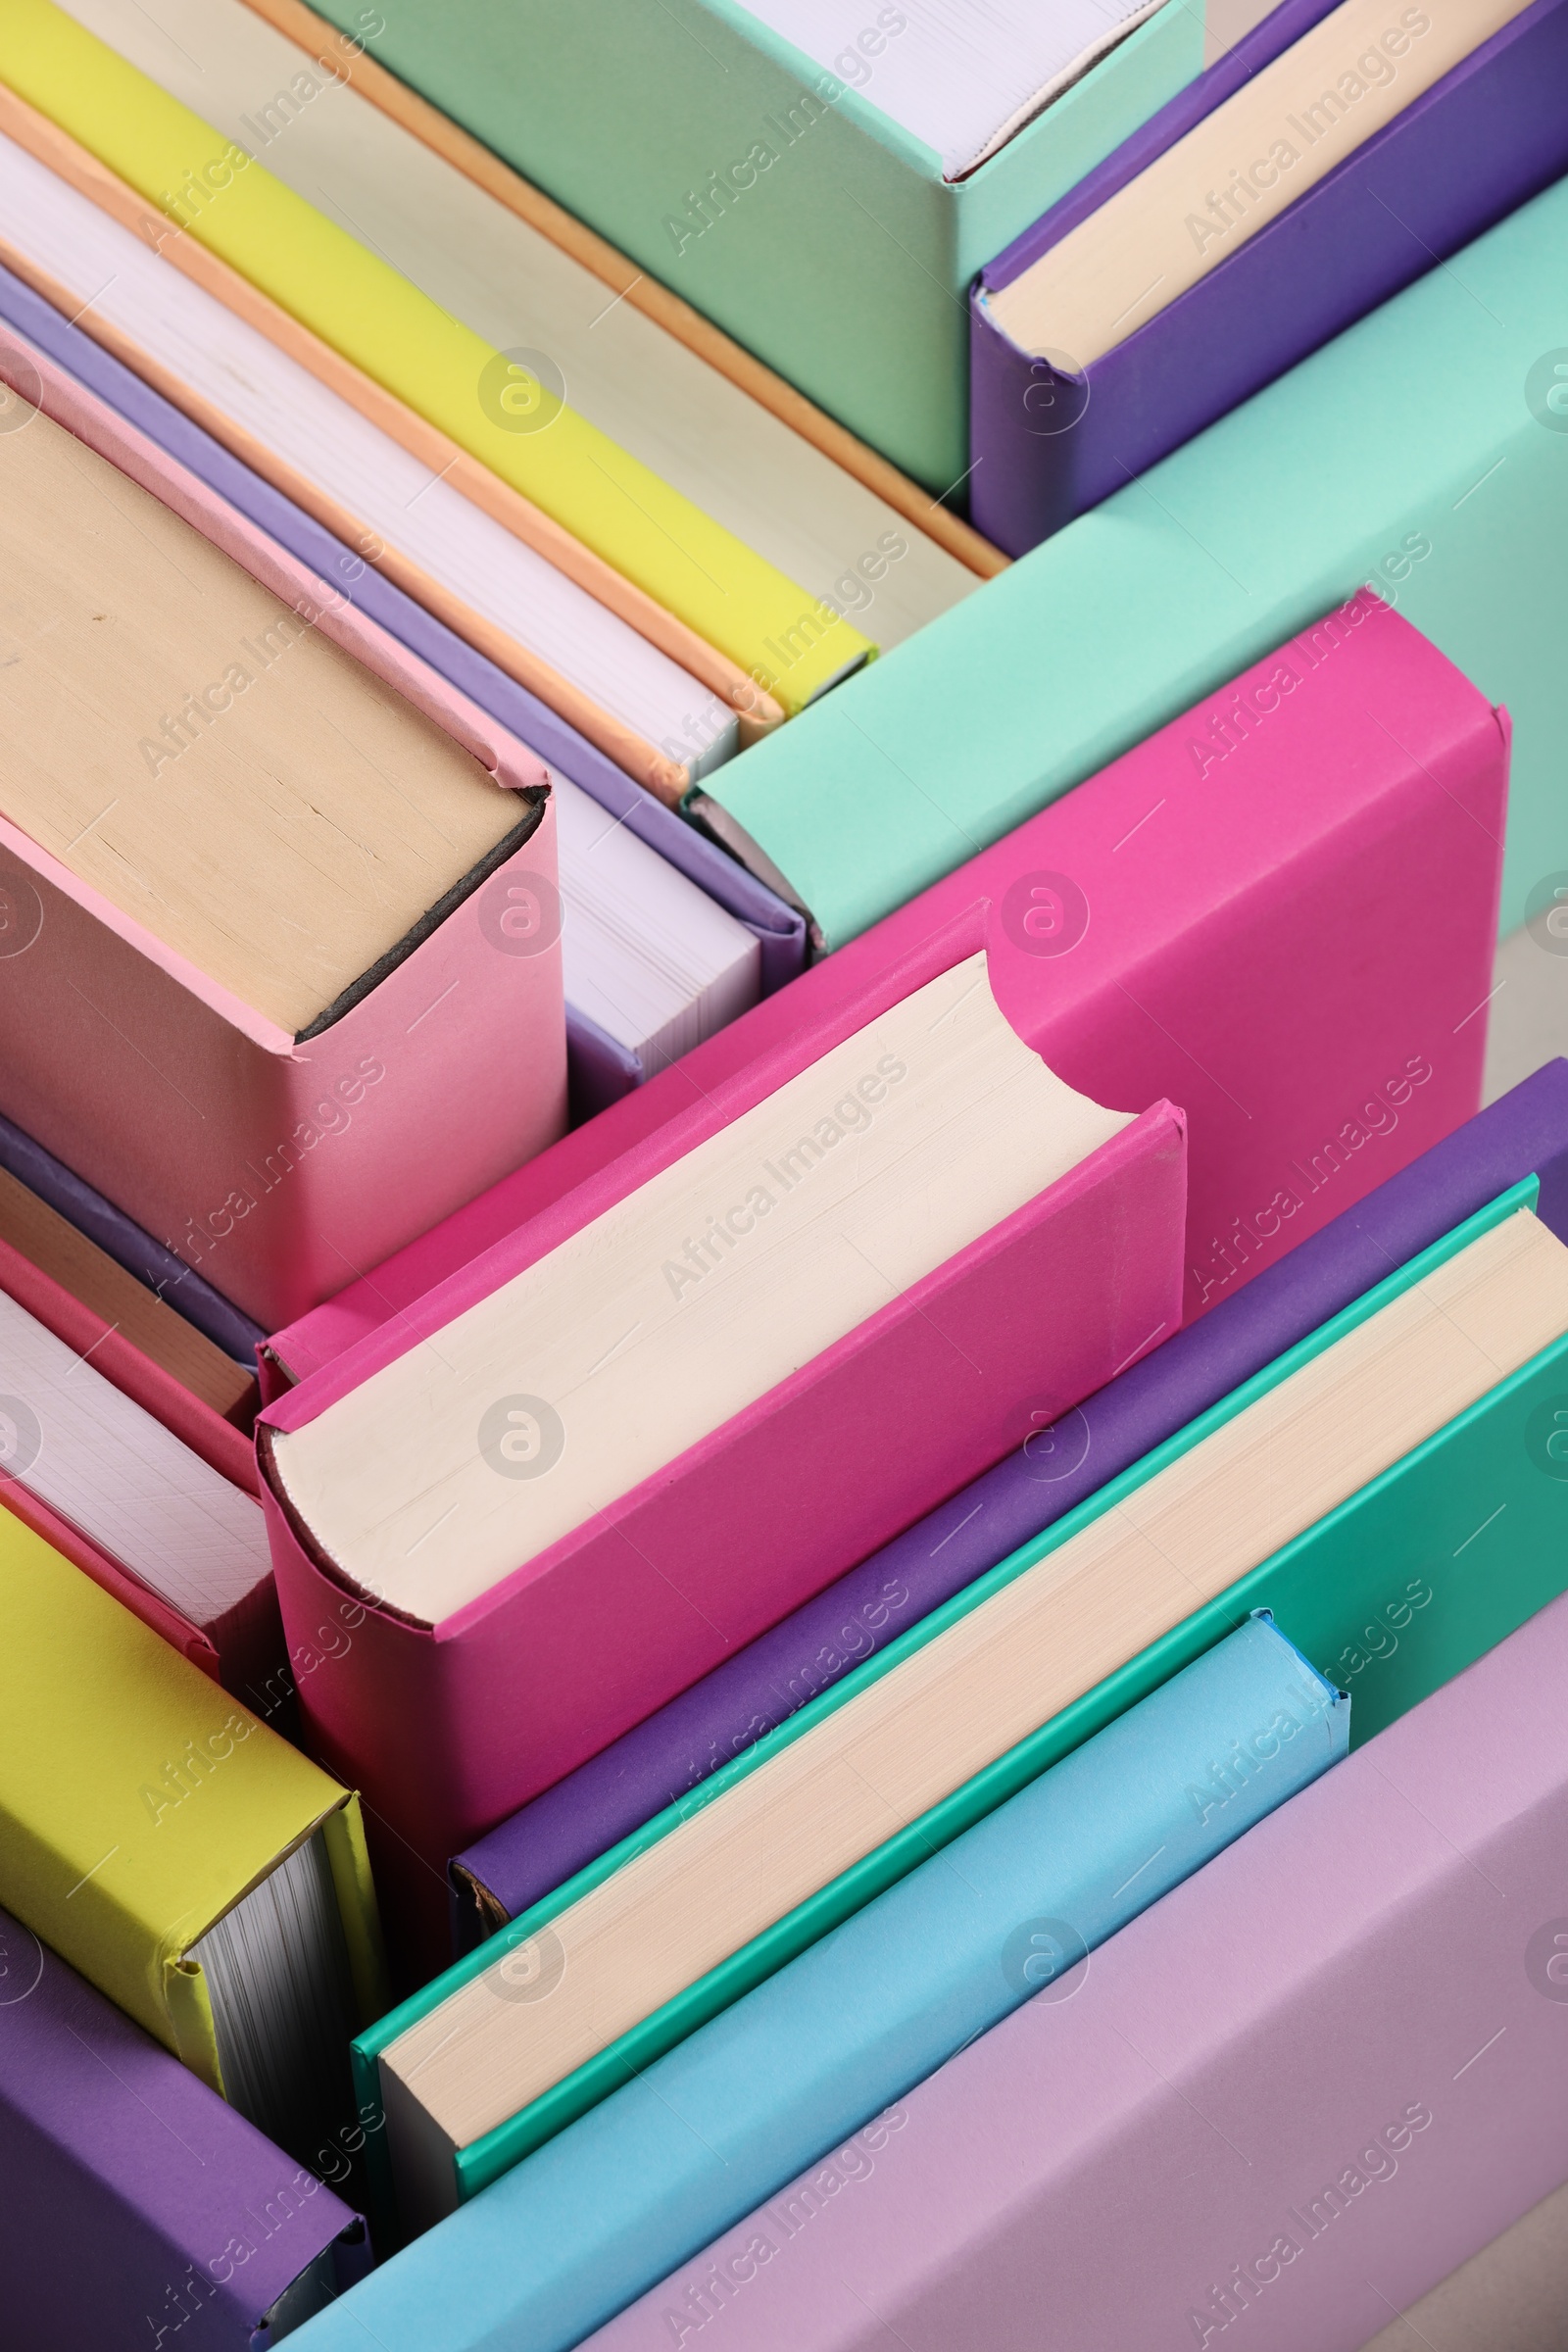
1011, 1910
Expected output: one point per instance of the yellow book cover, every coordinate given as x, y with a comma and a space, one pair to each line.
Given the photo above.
510, 417
140, 1804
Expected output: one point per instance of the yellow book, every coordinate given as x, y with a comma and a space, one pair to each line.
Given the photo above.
189, 1861
511, 418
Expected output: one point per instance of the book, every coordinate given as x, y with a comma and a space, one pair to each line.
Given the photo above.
1296, 2091
133, 2190
108, 1229
700, 143
370, 821
1182, 909
797, 2065
1318, 1489
90, 1460
402, 344
513, 283
1323, 479
1126, 392
899, 1184
637, 990
1056, 1468
195, 1868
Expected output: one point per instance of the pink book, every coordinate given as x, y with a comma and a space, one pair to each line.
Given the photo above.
1272, 2111
281, 1168
448, 1727
1241, 916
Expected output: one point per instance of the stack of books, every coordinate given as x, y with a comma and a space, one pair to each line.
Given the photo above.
783, 1174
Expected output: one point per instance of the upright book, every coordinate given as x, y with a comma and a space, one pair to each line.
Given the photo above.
310, 897
1283, 2103
190, 1863
136, 2197
1209, 254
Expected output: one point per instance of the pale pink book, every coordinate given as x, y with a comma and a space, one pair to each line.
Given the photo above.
448, 1727
1271, 2113
1279, 911
282, 1169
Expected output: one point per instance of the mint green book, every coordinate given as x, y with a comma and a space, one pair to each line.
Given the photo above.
773, 191
1393, 1590
1418, 451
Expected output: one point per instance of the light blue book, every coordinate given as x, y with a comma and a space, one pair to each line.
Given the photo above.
1010, 1910
1424, 451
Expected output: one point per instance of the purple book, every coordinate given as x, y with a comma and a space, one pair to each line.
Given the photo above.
650, 1767
1478, 144
139, 2208
601, 1070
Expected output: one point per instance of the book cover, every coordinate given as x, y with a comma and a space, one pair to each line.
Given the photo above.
1330, 478
1289, 2099
274, 1164
1016, 1904
516, 1687
141, 1802
1208, 920
384, 328
695, 143
1055, 1470
1383, 218
137, 2200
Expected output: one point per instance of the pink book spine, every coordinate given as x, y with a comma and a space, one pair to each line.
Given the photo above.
1239, 915
283, 1170
519, 1686
1272, 2111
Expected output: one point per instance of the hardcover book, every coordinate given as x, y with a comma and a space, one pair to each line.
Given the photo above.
334, 844
135, 2196
1133, 383
192, 1865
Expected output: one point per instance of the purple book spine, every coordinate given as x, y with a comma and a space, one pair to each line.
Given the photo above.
624, 1786
139, 2208
779, 929
1055, 442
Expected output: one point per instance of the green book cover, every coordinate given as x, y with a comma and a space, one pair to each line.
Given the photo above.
843, 260
1391, 1595
1410, 453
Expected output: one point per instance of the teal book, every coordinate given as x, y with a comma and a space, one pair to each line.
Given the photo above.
1386, 1488
1014, 1908
777, 186
1423, 451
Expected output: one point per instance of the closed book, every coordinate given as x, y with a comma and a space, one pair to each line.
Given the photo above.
120, 1239
1325, 479
1322, 1490
983, 1233
1381, 217
1055, 1469
700, 144
313, 1034
1280, 2106
140, 2206
683, 980
1205, 920
195, 1868
398, 342
1017, 1903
